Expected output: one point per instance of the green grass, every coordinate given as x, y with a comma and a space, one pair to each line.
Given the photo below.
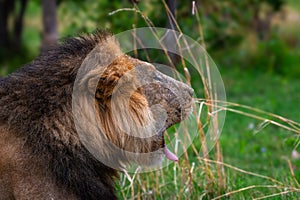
264, 152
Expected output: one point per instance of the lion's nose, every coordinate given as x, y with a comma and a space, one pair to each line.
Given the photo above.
185, 88
190, 91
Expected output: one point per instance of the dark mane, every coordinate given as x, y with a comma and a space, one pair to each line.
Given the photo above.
35, 104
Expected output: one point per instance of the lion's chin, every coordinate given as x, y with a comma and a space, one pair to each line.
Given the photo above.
156, 158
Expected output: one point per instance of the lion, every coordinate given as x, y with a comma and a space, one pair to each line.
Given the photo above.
52, 147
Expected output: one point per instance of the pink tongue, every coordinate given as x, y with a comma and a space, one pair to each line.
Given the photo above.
170, 155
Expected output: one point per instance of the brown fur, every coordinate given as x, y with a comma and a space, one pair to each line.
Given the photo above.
41, 154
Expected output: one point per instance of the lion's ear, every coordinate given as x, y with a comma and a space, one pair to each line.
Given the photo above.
91, 84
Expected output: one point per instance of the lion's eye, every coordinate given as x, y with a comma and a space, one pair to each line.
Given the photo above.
157, 78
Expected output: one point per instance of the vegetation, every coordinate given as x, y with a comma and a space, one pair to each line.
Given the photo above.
256, 46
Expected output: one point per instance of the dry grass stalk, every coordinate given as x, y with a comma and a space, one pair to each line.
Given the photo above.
285, 123
293, 173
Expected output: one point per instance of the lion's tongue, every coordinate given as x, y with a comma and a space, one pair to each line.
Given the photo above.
170, 155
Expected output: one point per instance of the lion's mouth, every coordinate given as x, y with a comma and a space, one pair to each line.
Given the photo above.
168, 153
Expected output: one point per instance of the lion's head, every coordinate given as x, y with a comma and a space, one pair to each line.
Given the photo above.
125, 105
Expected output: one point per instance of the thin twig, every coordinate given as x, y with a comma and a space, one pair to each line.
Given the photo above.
255, 116
243, 171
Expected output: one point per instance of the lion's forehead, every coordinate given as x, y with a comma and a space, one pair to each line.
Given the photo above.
132, 74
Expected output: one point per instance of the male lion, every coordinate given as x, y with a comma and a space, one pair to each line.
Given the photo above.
51, 146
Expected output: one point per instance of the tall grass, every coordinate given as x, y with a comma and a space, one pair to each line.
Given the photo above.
201, 174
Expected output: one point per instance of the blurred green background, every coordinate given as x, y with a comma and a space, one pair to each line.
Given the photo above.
255, 35
255, 44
